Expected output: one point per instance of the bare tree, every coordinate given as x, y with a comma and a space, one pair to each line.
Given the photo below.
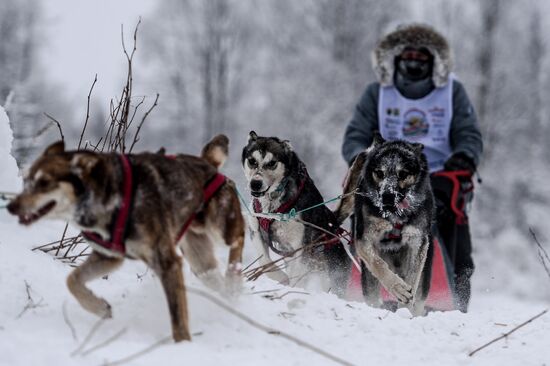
490, 10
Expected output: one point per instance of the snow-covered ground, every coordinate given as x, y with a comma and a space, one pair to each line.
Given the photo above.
36, 310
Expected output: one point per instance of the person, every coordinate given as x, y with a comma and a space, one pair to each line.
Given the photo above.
418, 99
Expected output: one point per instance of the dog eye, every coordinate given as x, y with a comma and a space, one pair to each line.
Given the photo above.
252, 163
403, 174
378, 174
42, 184
271, 165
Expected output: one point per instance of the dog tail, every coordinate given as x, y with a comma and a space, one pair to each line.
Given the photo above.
215, 151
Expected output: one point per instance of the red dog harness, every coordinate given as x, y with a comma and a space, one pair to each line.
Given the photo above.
118, 232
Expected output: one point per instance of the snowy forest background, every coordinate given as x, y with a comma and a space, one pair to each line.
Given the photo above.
296, 69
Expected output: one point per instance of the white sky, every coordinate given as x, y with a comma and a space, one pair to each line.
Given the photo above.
83, 38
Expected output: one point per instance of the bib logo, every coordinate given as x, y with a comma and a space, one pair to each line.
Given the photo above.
415, 123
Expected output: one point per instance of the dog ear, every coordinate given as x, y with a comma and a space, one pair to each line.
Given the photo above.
287, 145
377, 139
55, 148
417, 147
252, 136
85, 165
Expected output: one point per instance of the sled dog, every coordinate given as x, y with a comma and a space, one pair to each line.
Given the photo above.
279, 183
140, 206
393, 208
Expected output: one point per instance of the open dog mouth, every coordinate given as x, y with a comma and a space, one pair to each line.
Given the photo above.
259, 193
29, 218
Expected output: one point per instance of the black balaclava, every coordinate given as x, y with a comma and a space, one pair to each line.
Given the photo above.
413, 76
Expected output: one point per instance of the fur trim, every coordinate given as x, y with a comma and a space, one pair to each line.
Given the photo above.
415, 35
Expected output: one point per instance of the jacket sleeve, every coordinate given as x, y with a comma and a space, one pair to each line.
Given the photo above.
360, 130
465, 134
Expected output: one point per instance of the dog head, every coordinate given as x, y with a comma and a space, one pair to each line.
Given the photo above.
266, 162
54, 185
393, 175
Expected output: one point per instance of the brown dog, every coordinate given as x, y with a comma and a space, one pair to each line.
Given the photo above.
140, 206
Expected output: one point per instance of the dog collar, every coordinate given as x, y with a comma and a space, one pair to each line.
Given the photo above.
265, 223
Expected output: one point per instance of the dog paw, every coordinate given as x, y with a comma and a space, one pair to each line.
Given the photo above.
233, 280
99, 307
401, 290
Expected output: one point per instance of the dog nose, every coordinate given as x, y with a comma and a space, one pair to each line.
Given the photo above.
388, 199
13, 207
256, 185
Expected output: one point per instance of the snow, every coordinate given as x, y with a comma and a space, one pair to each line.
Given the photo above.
349, 330
11, 182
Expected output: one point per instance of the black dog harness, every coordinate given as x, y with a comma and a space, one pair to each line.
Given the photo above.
120, 221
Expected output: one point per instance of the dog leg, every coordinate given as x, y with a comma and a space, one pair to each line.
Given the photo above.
347, 203
95, 266
261, 248
199, 252
419, 246
168, 267
380, 269
233, 274
371, 287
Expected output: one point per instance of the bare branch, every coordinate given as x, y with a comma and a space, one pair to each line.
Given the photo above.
58, 125
507, 333
87, 113
543, 255
136, 135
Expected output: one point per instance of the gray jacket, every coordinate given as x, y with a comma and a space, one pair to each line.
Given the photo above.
465, 135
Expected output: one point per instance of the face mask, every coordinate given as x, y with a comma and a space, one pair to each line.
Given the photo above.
414, 70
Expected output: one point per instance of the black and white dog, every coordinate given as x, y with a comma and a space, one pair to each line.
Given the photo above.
393, 209
279, 182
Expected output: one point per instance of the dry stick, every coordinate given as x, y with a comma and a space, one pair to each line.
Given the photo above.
30, 301
133, 356
543, 255
87, 112
68, 321
89, 336
58, 126
507, 333
62, 238
266, 329
136, 135
136, 108
105, 343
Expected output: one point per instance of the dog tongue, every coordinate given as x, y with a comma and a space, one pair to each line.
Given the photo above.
404, 204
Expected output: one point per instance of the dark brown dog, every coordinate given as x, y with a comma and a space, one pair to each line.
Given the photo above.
88, 189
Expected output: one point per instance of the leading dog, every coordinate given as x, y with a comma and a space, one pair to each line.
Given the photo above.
279, 183
91, 189
394, 207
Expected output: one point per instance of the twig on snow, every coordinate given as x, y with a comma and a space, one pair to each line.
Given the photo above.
133, 356
106, 342
89, 336
507, 333
31, 304
68, 321
266, 329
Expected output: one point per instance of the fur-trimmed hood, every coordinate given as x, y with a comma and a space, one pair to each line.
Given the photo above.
415, 35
